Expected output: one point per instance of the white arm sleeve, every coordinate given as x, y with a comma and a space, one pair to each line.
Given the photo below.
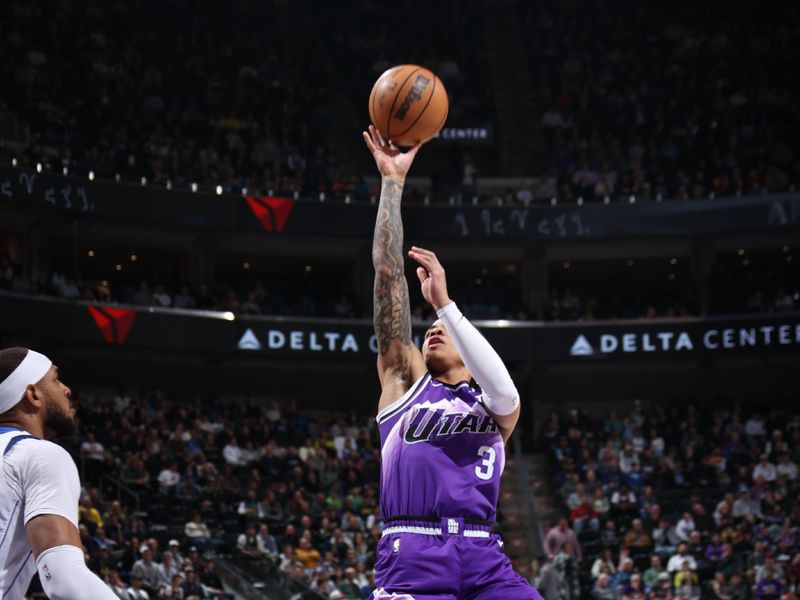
64, 576
499, 392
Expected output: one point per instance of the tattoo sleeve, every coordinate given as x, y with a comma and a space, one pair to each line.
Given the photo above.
392, 318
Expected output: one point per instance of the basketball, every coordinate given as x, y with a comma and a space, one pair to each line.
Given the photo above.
408, 105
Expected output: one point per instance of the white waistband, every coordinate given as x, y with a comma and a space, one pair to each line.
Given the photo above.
473, 533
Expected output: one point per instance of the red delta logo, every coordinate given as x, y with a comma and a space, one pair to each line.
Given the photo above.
113, 323
271, 212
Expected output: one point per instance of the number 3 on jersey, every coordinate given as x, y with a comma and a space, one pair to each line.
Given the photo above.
485, 470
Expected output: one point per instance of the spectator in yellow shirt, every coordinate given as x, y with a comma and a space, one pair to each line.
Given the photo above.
309, 557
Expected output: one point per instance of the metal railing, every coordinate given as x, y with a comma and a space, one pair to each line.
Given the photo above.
535, 534
120, 488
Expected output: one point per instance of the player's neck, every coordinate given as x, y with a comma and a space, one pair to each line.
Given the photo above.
31, 426
452, 376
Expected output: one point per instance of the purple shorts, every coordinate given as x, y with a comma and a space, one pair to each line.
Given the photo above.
446, 561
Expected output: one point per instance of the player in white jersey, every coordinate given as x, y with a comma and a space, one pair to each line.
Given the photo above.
39, 485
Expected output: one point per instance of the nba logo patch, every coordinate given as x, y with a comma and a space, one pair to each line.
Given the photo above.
46, 570
396, 546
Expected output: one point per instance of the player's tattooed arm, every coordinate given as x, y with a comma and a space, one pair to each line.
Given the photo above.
399, 361
392, 319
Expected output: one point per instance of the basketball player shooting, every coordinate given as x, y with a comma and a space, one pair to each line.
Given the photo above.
39, 485
442, 438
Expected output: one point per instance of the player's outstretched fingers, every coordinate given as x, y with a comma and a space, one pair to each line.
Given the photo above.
422, 274
414, 149
425, 257
370, 143
378, 135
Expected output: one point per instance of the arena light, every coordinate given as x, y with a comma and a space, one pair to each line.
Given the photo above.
658, 197
606, 200
244, 191
117, 177
91, 253
426, 201
372, 200
452, 201
38, 167
580, 200
91, 176
118, 267
169, 184
65, 170
322, 196
144, 181
219, 190
194, 187
296, 195
270, 192
134, 258
13, 162
347, 199
632, 200
474, 201
553, 201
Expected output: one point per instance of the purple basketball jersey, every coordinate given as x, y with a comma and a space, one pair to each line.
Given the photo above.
442, 454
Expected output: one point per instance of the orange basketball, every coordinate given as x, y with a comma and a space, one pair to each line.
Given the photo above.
408, 104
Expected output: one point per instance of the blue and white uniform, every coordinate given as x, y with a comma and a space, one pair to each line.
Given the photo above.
37, 478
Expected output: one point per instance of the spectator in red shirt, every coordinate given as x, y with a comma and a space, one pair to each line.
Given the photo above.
584, 514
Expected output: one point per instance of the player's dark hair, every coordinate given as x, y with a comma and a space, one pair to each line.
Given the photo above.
10, 359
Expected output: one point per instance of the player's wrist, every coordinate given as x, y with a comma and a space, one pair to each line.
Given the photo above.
394, 178
443, 306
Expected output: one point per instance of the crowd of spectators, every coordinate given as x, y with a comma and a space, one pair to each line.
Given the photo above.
208, 94
733, 289
674, 501
203, 92
625, 303
674, 101
659, 104
288, 492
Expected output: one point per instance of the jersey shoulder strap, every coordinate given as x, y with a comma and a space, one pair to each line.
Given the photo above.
15, 440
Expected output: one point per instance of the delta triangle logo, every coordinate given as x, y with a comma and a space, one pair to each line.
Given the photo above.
271, 212
249, 341
113, 323
581, 347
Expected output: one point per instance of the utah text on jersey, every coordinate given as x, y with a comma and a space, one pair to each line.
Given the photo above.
427, 423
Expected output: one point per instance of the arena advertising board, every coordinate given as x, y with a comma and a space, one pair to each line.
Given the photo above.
269, 215
40, 318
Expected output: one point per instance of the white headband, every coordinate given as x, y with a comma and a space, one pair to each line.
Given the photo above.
31, 370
